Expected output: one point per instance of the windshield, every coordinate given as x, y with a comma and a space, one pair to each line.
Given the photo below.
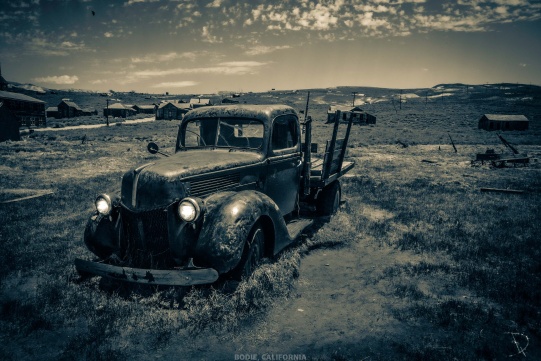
223, 132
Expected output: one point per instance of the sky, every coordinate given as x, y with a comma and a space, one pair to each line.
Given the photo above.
208, 46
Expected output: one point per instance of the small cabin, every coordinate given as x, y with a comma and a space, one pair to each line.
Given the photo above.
503, 122
118, 110
145, 109
170, 111
52, 112
69, 109
358, 115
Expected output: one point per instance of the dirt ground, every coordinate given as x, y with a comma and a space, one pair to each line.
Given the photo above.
341, 306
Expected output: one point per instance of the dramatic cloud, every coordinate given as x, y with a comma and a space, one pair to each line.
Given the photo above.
389, 17
261, 49
39, 44
62, 79
226, 68
154, 58
178, 84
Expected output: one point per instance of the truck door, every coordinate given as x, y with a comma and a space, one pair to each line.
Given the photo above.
284, 163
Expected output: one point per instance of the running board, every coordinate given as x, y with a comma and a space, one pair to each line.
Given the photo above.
296, 227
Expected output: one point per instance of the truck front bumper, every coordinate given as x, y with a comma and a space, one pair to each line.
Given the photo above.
173, 277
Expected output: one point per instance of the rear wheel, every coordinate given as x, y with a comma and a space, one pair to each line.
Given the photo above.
328, 200
252, 253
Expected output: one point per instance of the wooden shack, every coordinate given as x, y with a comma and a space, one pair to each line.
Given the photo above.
358, 115
52, 112
503, 122
89, 111
118, 110
9, 124
169, 110
145, 109
29, 111
68, 109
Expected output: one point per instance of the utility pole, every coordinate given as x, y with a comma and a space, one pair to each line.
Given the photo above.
354, 93
107, 111
400, 99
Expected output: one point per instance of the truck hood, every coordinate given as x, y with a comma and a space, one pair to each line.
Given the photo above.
158, 184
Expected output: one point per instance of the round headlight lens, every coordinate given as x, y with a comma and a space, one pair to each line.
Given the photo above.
189, 210
103, 204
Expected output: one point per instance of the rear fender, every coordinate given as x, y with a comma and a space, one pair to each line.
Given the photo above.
230, 217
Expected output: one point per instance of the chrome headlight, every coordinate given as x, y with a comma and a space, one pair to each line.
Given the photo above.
103, 204
190, 209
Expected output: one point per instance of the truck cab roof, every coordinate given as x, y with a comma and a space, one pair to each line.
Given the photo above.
264, 113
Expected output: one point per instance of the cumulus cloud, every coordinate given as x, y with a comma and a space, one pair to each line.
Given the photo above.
354, 18
208, 37
61, 79
215, 4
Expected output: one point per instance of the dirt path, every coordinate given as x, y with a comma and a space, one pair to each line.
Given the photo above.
340, 306
92, 126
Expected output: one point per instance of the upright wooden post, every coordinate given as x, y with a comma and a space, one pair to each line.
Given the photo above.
107, 112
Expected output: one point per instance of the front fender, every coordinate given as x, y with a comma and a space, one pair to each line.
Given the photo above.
101, 234
230, 217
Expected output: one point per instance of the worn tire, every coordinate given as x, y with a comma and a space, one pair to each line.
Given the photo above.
252, 253
328, 200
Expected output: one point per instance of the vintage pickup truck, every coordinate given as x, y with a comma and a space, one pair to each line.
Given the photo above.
229, 196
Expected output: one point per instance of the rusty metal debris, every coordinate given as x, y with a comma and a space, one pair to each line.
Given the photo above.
497, 160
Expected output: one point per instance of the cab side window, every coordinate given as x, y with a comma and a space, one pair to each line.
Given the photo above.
284, 132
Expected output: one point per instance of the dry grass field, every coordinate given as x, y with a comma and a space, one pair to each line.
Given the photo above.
419, 263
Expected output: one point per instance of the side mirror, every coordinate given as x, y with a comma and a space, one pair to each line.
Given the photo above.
153, 148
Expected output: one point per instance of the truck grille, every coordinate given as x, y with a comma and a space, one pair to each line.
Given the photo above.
205, 186
146, 243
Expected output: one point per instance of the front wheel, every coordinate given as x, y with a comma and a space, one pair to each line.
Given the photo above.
252, 253
328, 200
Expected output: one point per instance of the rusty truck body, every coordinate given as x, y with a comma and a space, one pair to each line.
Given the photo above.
229, 196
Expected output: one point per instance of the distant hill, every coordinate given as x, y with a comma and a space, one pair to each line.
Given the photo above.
320, 98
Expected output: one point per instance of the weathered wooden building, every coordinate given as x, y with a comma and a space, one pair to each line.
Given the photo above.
118, 110
9, 124
145, 109
89, 111
503, 122
169, 110
52, 112
68, 109
29, 111
358, 115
